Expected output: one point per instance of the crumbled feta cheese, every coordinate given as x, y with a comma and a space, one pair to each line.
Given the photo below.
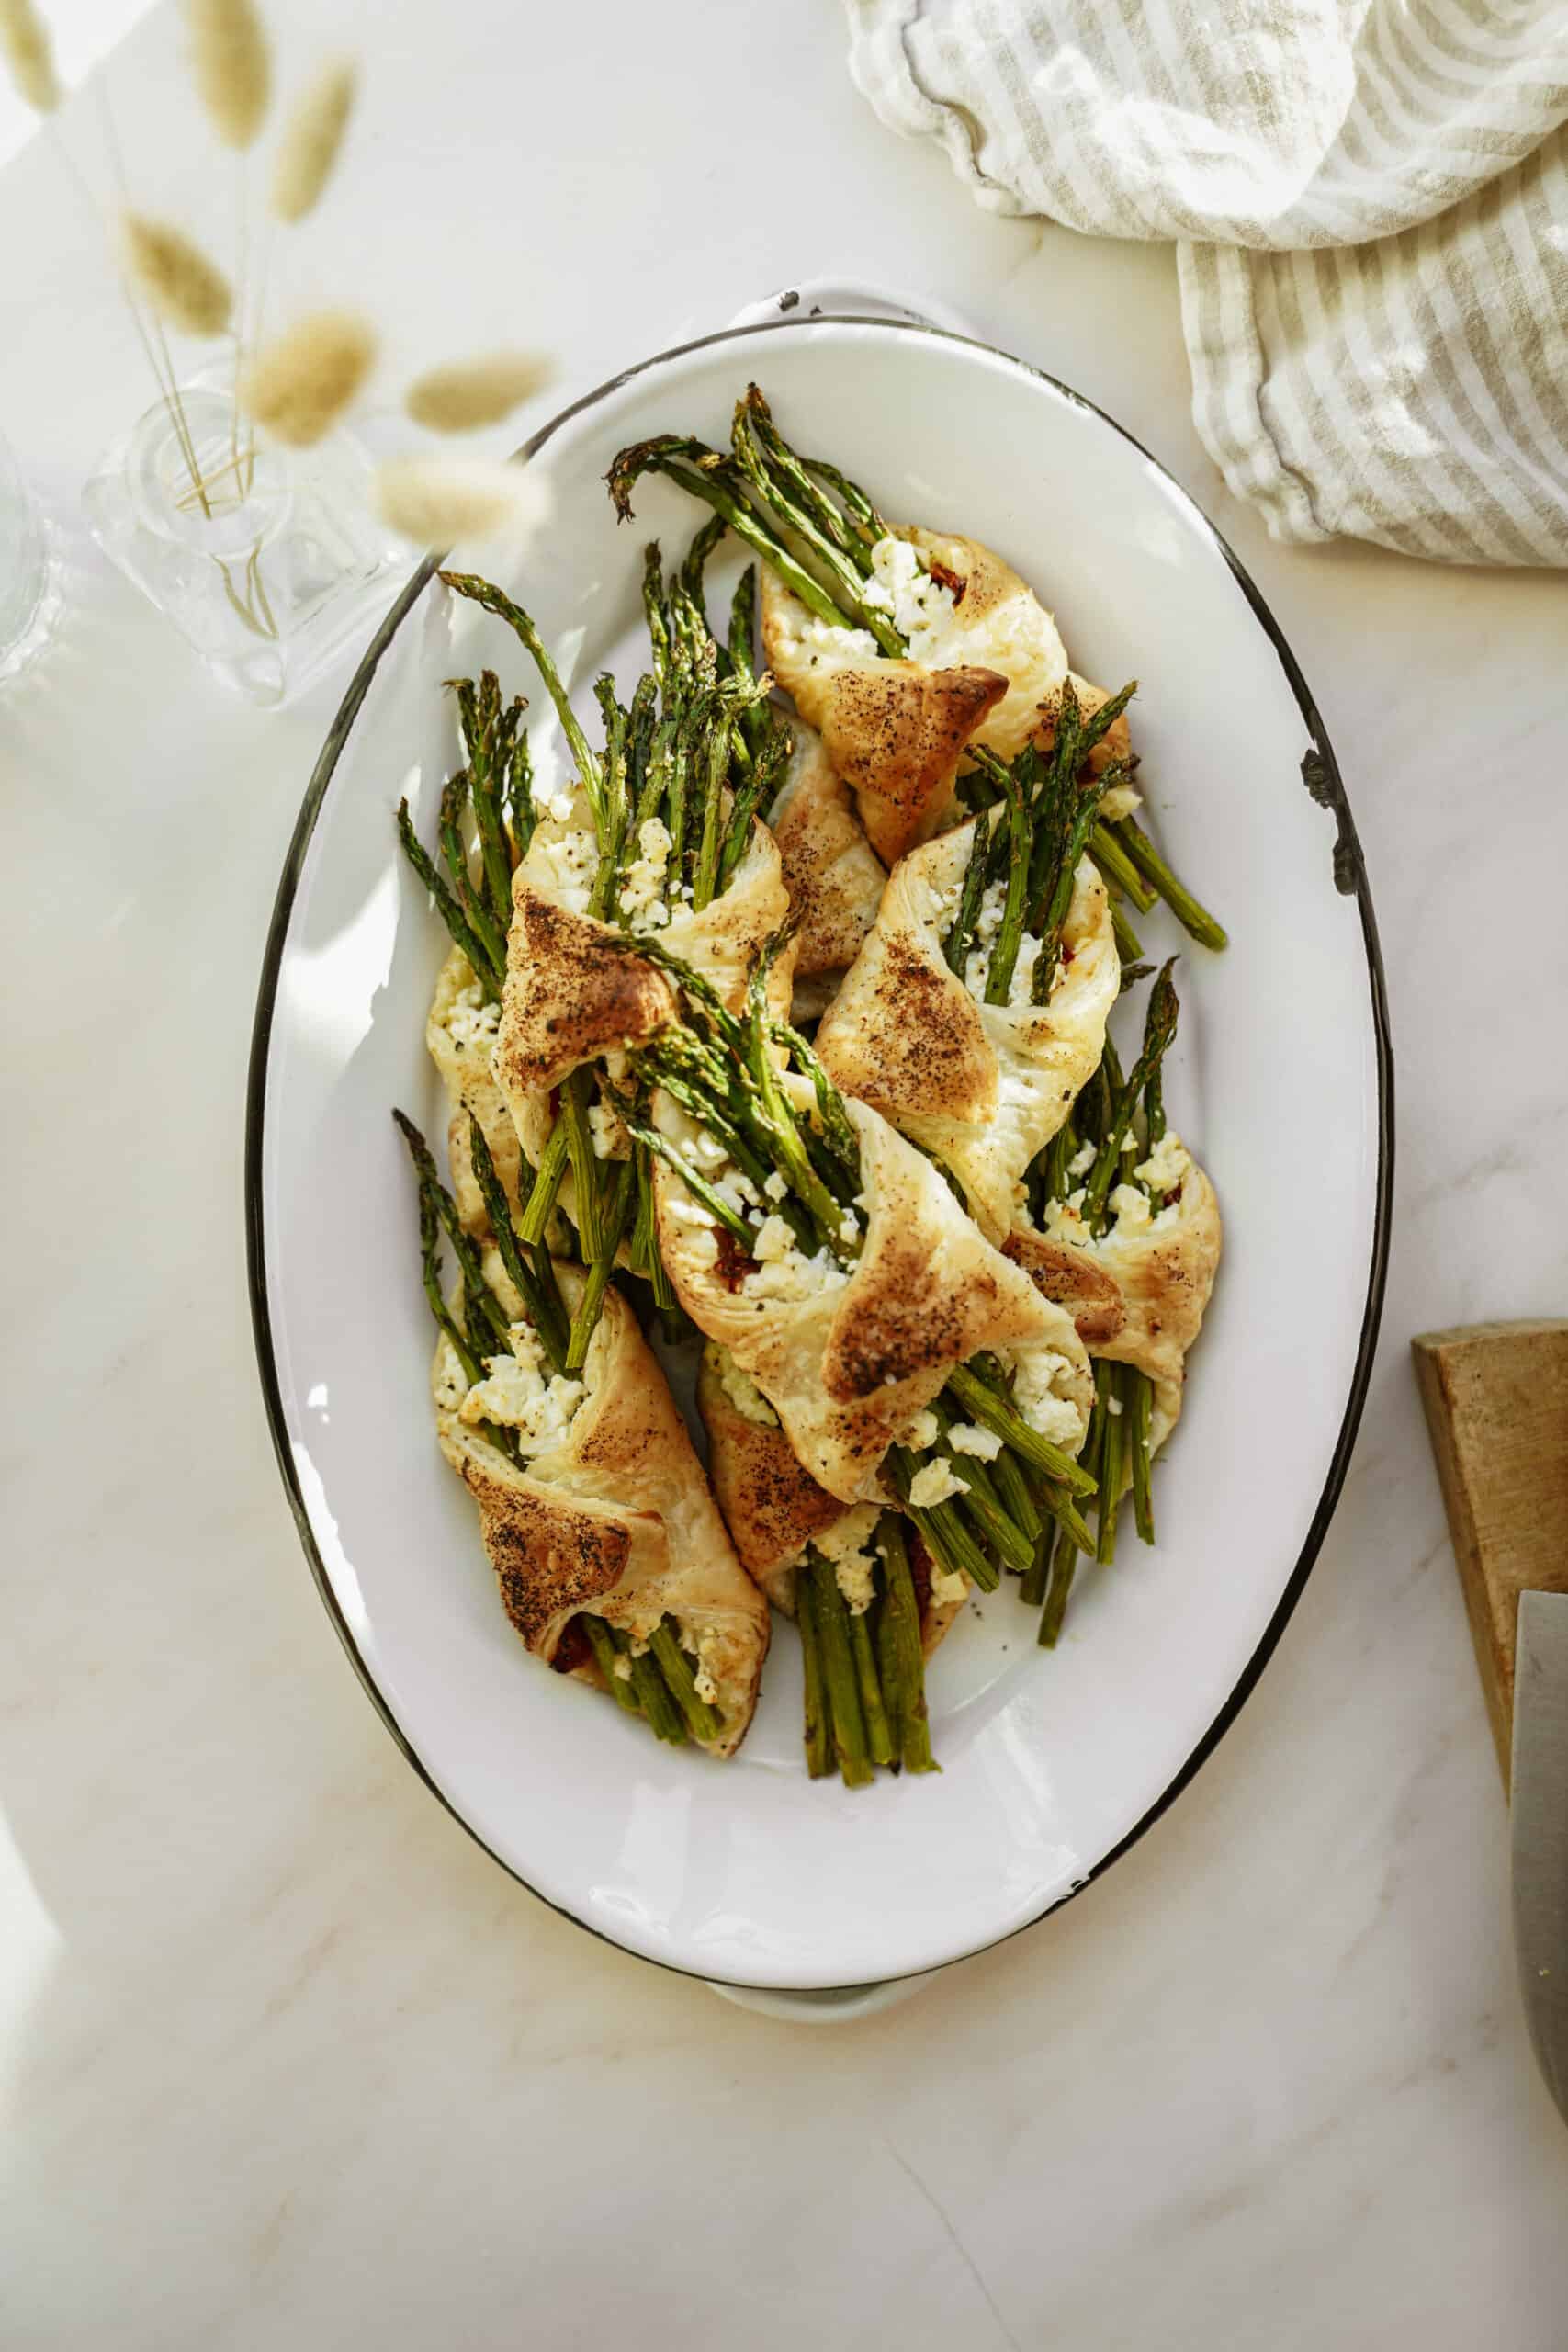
1115, 1405
471, 1022
685, 1211
517, 1395
622, 1669
1035, 1374
1129, 1142
702, 1246
1082, 1161
791, 1277
948, 1587
642, 886
1065, 1219
565, 869
744, 1393
920, 606
451, 1380
846, 1546
736, 1191
703, 1685
603, 1128
773, 1243
924, 1432
968, 1438
817, 638
1167, 1164
935, 1483
1130, 1207
704, 1150
774, 1186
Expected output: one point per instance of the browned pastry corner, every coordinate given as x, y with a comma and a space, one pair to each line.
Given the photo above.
831, 873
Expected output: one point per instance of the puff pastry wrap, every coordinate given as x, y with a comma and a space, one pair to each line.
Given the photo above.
616, 1519
847, 1366
772, 1505
1136, 1296
460, 1032
569, 996
833, 876
983, 1086
898, 730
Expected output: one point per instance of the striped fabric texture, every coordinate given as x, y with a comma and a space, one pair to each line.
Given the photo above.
1370, 201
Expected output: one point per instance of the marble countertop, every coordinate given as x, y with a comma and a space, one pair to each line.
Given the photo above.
284, 2059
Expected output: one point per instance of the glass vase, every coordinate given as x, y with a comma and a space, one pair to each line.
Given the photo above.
30, 592
268, 561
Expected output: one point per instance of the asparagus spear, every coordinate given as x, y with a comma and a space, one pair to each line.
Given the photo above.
1117, 866
616, 1218
654, 1696
771, 485
1112, 1462
899, 1651
779, 460
523, 1278
486, 970
1159, 1028
868, 1681
700, 471
1137, 1404
1064, 1566
619, 1686
703, 1719
1194, 917
482, 592
837, 1671
453, 850
579, 1151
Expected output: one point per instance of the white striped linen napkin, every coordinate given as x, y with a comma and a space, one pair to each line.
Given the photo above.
1369, 199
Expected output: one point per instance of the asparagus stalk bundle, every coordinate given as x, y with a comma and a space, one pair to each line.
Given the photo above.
818, 533
515, 1304
1129, 1238
671, 801
786, 1528
766, 1150
865, 1695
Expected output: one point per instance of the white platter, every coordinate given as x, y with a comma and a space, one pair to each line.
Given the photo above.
1281, 1079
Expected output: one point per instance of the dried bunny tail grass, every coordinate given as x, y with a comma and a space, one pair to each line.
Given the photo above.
437, 500
30, 55
478, 391
233, 66
312, 137
176, 276
300, 385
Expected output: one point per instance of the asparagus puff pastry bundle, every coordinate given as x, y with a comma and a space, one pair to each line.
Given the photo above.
614, 1563
659, 832
912, 651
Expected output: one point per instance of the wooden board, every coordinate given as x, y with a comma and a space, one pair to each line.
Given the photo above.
1496, 1401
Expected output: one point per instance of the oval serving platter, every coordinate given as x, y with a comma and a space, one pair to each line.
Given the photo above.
1281, 1079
